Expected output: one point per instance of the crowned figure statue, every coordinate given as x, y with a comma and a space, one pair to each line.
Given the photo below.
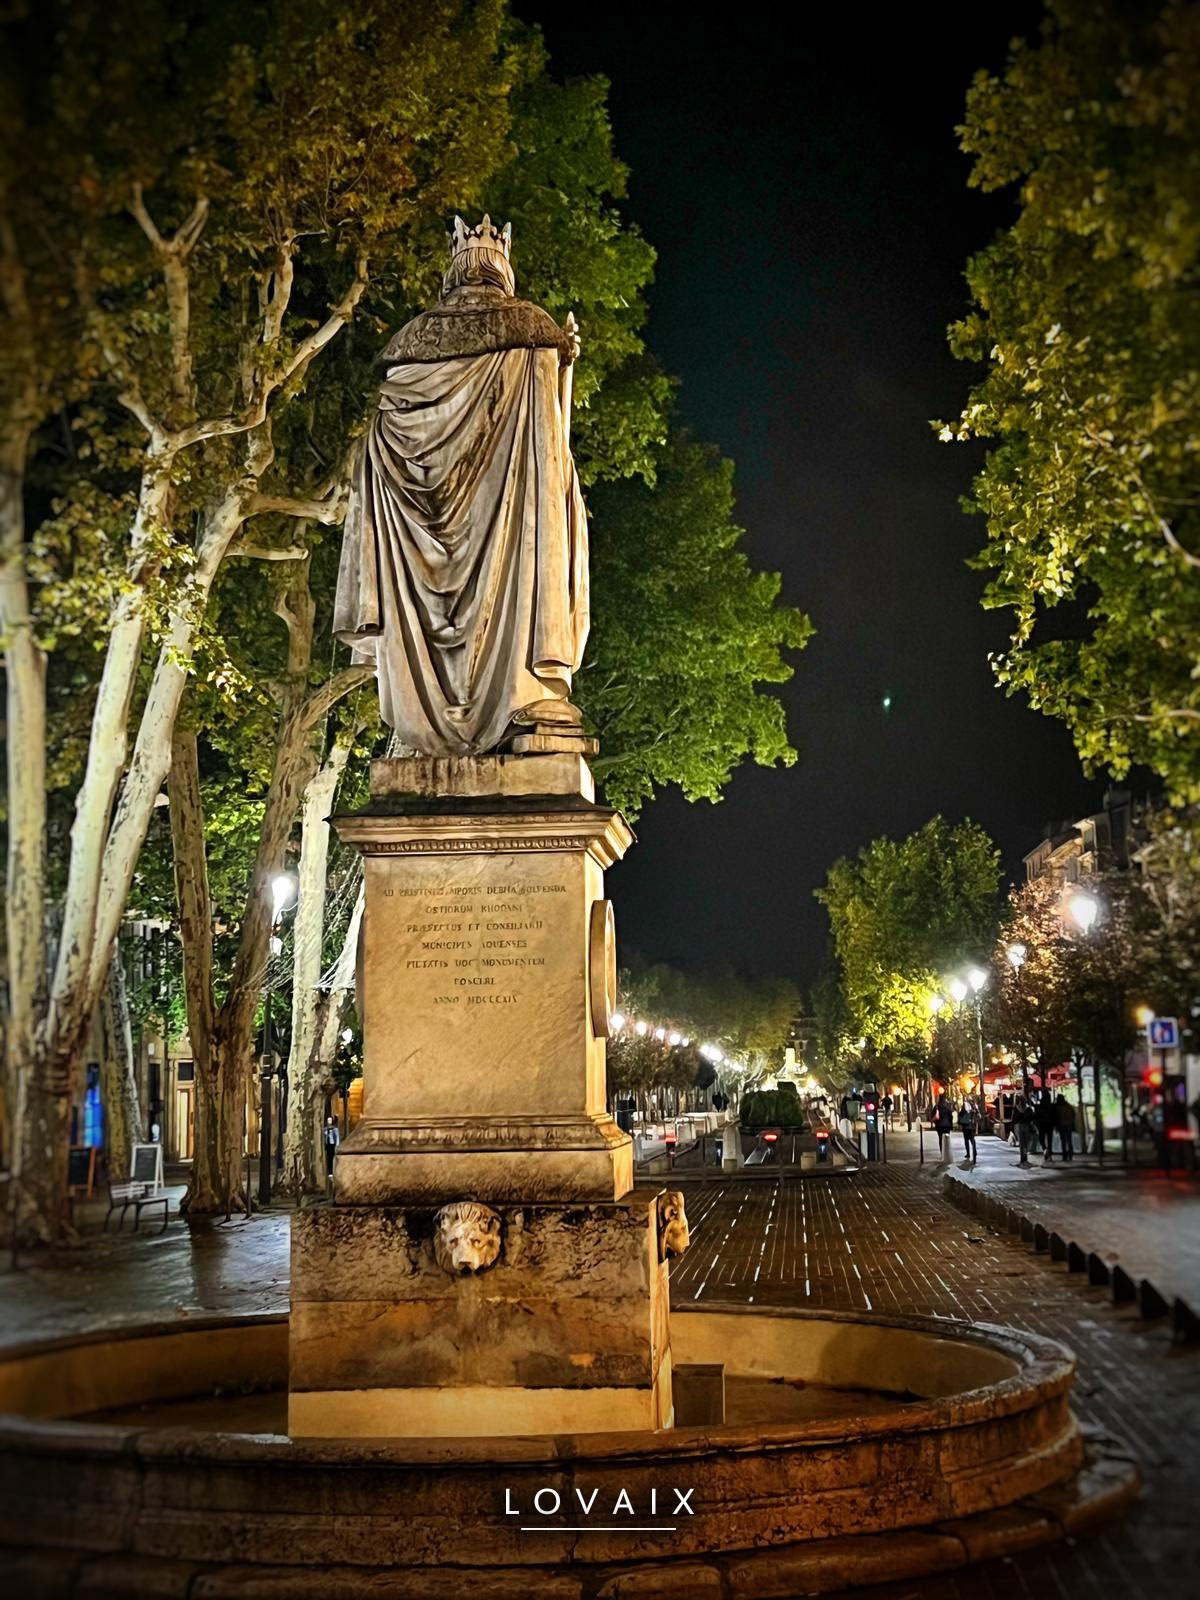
464, 568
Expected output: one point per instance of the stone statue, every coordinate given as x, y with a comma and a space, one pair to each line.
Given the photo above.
674, 1235
464, 570
466, 1237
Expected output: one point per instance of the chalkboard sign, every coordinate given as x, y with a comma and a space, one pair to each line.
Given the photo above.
81, 1169
146, 1165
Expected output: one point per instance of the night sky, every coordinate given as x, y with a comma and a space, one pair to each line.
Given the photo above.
809, 206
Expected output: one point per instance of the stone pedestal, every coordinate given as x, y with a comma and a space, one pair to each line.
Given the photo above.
487, 975
486, 952
568, 1330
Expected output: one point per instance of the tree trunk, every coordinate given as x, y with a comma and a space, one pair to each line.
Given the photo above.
302, 1147
118, 1074
209, 1188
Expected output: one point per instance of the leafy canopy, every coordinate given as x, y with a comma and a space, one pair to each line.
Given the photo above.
1086, 315
684, 633
902, 912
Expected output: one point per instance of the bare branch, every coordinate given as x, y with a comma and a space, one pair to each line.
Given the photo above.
329, 509
320, 703
129, 392
305, 351
281, 294
263, 552
173, 254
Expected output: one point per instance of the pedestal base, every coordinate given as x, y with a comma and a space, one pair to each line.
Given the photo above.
492, 1159
567, 1332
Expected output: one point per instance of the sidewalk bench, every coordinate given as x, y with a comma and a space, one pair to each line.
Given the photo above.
139, 1196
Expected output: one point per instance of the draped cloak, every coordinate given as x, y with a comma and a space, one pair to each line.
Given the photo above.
464, 568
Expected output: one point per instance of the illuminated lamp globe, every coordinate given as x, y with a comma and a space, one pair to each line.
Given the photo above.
977, 977
1084, 908
283, 887
958, 989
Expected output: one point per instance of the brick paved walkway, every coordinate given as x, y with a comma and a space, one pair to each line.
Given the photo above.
889, 1241
1145, 1219
119, 1278
886, 1240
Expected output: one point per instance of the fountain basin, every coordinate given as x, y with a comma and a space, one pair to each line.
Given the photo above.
877, 1447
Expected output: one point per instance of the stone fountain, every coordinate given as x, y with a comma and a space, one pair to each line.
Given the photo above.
481, 1385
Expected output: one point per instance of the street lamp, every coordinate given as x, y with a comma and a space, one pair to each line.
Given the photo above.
617, 1021
1084, 908
1016, 954
960, 988
977, 978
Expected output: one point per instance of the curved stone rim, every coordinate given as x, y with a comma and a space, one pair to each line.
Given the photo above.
1046, 1370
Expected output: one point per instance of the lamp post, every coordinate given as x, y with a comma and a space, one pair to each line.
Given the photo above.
977, 977
1084, 909
283, 889
1016, 954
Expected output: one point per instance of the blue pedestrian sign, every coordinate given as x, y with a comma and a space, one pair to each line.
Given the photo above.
1164, 1033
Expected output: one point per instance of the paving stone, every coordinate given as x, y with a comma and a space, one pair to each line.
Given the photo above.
887, 1241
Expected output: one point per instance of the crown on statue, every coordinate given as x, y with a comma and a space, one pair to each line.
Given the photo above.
484, 237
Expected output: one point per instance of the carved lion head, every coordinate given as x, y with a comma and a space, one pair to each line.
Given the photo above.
466, 1237
674, 1235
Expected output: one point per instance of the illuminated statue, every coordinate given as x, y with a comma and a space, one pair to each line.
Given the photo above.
464, 571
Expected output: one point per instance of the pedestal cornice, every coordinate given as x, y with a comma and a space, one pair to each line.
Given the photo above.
459, 827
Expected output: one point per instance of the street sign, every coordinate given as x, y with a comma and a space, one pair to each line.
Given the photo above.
1164, 1033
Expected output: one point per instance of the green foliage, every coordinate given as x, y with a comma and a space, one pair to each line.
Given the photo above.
1086, 314
836, 1057
902, 911
772, 1108
1029, 1007
746, 1018
684, 633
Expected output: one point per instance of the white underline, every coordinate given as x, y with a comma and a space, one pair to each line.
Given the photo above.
593, 1527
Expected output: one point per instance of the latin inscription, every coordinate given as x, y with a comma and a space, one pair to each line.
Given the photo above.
476, 937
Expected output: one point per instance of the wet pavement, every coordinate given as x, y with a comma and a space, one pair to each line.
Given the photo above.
111, 1279
886, 1240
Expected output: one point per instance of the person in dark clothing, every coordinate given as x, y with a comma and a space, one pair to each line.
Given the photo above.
943, 1122
331, 1138
1064, 1116
966, 1126
1046, 1121
1022, 1121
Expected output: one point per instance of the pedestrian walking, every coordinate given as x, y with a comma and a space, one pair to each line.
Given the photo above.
331, 1138
885, 1105
1064, 1115
1022, 1121
943, 1123
1046, 1122
966, 1126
